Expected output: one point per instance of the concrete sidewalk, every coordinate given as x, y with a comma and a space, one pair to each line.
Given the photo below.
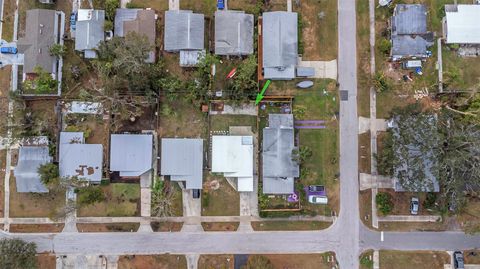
368, 181
409, 218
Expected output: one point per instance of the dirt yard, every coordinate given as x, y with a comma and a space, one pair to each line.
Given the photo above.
302, 261
152, 262
166, 226
36, 228
113, 227
216, 261
220, 226
46, 261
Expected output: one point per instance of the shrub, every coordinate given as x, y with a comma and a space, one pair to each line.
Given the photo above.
90, 195
384, 46
384, 203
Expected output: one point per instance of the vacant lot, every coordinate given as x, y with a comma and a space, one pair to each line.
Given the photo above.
289, 225
24, 205
152, 261
410, 259
219, 198
121, 200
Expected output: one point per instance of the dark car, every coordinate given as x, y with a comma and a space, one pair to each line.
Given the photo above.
196, 193
458, 260
316, 188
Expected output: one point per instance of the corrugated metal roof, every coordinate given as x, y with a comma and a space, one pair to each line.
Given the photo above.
84, 161
405, 45
280, 44
277, 185
131, 154
184, 30
40, 33
463, 26
233, 33
90, 29
30, 159
409, 19
182, 159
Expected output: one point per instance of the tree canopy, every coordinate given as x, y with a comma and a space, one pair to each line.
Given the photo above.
48, 173
17, 254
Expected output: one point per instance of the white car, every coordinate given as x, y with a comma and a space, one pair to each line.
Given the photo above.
318, 199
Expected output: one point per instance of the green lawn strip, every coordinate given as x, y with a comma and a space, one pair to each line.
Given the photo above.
289, 225
206, 7
223, 122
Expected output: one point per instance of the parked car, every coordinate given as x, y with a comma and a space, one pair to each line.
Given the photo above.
196, 193
73, 20
414, 204
9, 50
458, 260
316, 188
318, 199
220, 4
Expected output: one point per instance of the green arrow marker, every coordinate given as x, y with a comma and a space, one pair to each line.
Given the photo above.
260, 95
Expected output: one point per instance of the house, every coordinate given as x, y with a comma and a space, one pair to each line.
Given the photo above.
182, 160
141, 21
461, 24
30, 158
131, 155
89, 31
233, 156
233, 33
278, 167
410, 38
77, 159
43, 29
280, 45
184, 33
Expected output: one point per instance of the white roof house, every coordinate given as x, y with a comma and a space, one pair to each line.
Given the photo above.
462, 24
131, 154
84, 161
233, 156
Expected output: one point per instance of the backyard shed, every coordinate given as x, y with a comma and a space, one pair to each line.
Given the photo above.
233, 156
233, 33
280, 44
182, 160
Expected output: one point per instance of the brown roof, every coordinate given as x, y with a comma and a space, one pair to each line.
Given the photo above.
143, 24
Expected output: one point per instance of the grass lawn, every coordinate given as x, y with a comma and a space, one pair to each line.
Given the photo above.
111, 227
25, 205
413, 259
207, 7
470, 216
223, 122
289, 225
3, 160
152, 261
366, 207
467, 69
364, 153
186, 121
363, 58
36, 228
304, 261
166, 226
319, 31
216, 261
121, 200
219, 198
154, 4
322, 166
220, 226
8, 18
366, 260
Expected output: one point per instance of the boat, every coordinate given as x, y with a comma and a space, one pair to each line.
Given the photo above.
305, 84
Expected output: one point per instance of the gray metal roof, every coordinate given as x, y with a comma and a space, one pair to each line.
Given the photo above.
71, 138
131, 154
233, 33
29, 160
277, 147
84, 161
409, 19
405, 45
184, 30
90, 32
182, 160
41, 27
280, 44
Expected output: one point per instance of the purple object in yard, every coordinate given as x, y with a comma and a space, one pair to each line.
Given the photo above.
293, 198
309, 127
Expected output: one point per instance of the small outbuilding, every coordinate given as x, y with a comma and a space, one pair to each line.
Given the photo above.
233, 33
182, 160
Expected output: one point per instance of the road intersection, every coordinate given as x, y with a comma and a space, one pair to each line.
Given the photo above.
347, 237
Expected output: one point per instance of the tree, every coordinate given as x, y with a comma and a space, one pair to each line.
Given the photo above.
48, 173
42, 84
201, 87
384, 203
110, 9
258, 262
17, 254
301, 154
244, 83
57, 50
381, 83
